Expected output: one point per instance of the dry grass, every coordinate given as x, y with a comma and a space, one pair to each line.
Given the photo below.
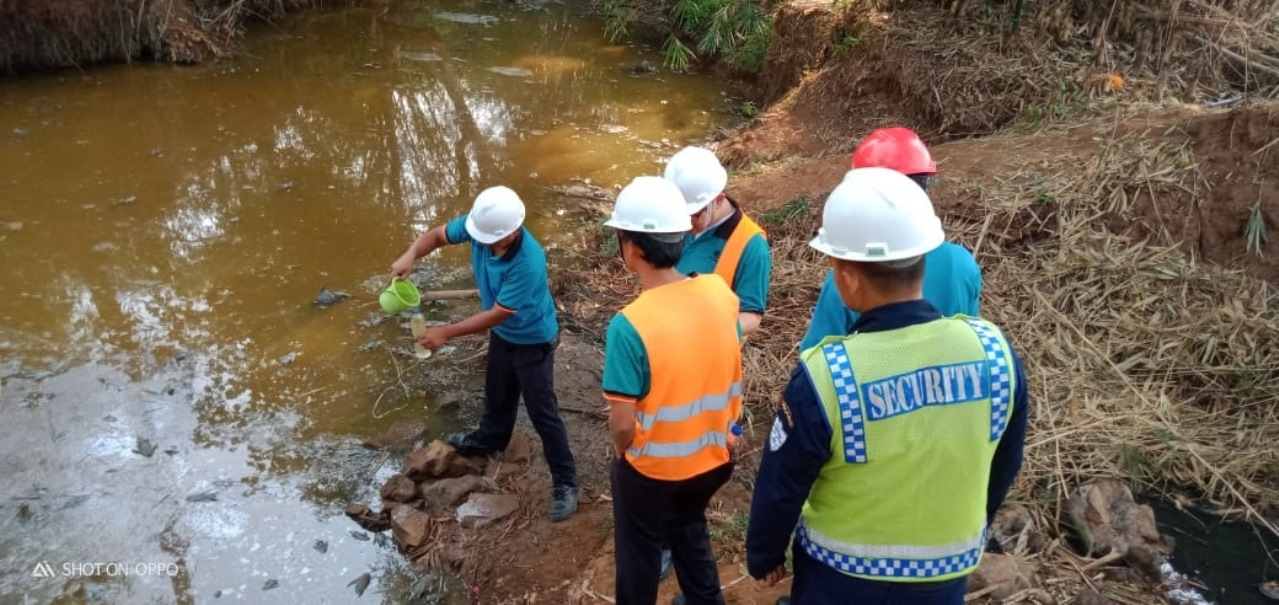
1174, 45
957, 69
1144, 363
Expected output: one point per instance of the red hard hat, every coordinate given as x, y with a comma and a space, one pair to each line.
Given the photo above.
896, 148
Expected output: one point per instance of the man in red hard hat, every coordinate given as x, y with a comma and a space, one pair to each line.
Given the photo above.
952, 280
899, 149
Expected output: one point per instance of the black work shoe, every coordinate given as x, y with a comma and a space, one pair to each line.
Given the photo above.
468, 445
666, 566
563, 502
678, 599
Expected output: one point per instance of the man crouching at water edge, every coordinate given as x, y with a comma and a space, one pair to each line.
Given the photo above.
518, 311
895, 443
672, 376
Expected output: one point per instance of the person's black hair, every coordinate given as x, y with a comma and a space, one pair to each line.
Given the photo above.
660, 254
886, 278
923, 180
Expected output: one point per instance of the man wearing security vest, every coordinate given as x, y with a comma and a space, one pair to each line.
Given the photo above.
894, 440
952, 281
519, 313
724, 241
672, 378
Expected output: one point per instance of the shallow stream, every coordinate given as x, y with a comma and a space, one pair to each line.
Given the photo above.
165, 229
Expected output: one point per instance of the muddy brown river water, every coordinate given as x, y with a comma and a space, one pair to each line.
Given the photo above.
164, 229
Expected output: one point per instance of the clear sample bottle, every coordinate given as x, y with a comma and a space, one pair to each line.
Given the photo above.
418, 323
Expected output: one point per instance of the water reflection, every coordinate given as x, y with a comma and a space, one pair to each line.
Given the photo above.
165, 229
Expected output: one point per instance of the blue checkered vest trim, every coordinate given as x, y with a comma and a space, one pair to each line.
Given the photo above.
912, 562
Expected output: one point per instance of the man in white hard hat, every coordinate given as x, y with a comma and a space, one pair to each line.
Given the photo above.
724, 240
672, 378
518, 311
892, 440
953, 280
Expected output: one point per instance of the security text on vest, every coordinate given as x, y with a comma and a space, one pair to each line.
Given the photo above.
937, 385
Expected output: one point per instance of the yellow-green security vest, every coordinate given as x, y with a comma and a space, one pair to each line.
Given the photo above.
916, 414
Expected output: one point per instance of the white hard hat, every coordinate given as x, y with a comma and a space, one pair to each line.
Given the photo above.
650, 205
878, 215
497, 213
699, 176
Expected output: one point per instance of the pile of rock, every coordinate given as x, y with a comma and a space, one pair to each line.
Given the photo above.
437, 487
1117, 537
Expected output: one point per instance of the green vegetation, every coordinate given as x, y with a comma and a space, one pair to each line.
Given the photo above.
846, 44
609, 245
736, 30
795, 208
1255, 231
733, 530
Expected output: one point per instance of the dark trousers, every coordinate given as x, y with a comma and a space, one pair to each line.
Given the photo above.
648, 512
817, 584
513, 370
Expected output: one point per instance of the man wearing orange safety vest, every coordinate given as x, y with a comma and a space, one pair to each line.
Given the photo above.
724, 240
672, 377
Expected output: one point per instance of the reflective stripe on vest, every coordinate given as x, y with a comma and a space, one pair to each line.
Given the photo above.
680, 413
920, 562
1000, 370
681, 449
731, 256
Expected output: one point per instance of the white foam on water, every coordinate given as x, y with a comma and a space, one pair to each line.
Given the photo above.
1181, 590
517, 72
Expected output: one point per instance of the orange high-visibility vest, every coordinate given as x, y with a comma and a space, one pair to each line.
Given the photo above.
731, 256
689, 331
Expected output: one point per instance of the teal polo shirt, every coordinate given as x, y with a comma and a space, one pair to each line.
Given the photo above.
627, 372
754, 271
516, 281
952, 283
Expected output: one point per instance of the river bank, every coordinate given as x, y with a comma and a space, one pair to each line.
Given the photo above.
51, 34
1112, 220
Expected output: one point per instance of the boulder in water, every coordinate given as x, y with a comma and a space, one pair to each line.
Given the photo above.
366, 518
326, 297
411, 528
399, 488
